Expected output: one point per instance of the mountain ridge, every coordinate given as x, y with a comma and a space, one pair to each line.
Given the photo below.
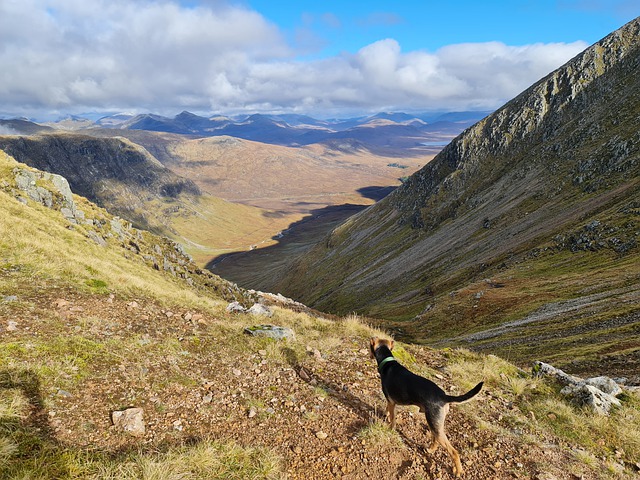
526, 181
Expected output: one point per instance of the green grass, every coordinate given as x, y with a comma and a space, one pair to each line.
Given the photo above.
539, 407
209, 459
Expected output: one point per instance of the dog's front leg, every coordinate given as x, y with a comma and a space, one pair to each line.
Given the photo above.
391, 411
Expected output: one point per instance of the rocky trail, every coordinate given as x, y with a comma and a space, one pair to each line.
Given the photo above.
198, 377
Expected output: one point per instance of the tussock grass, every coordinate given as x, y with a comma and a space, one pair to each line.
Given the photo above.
539, 409
378, 433
206, 460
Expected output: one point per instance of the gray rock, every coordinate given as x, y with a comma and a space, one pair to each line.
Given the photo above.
605, 384
271, 331
26, 181
96, 238
235, 307
598, 393
67, 213
10, 298
260, 310
592, 397
130, 420
544, 369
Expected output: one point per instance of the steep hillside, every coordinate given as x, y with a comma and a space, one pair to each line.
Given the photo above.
532, 207
112, 172
122, 176
97, 317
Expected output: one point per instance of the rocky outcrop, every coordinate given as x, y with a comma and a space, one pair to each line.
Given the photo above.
30, 182
598, 393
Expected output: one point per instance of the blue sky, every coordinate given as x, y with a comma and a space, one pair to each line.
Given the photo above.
329, 58
338, 26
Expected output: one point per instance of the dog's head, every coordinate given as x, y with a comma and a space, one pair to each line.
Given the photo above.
376, 343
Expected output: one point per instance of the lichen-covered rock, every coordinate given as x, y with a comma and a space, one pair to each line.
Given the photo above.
271, 331
592, 397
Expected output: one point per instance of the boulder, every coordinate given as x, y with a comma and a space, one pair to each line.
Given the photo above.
544, 369
235, 307
260, 310
598, 393
605, 384
592, 397
271, 331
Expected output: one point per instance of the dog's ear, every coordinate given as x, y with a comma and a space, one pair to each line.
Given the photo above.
372, 347
391, 344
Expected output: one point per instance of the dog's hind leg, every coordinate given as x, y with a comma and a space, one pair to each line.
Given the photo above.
391, 411
435, 419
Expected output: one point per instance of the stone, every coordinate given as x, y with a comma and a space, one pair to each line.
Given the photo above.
96, 238
271, 331
541, 368
260, 310
235, 307
321, 435
304, 375
12, 326
10, 298
590, 396
598, 393
130, 421
605, 384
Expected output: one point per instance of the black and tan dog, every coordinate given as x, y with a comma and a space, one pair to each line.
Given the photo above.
402, 387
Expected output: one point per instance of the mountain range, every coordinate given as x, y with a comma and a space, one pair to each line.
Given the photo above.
387, 133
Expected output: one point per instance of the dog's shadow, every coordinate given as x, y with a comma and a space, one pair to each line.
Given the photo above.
36, 422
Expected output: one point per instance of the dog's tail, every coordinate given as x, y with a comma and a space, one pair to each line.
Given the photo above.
467, 396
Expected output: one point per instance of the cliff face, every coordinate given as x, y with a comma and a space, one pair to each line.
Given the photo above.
114, 172
529, 178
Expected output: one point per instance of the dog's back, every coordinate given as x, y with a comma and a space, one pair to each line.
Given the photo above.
406, 388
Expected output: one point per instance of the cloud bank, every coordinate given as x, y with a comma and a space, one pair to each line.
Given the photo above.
137, 55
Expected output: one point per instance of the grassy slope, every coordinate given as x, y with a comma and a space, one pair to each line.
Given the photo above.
95, 329
208, 226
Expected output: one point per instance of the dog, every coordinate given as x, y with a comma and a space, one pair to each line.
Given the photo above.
402, 387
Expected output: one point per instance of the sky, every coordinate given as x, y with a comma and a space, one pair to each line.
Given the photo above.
327, 58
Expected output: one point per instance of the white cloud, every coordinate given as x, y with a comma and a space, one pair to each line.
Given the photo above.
73, 56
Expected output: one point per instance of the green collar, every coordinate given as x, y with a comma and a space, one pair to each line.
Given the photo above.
385, 361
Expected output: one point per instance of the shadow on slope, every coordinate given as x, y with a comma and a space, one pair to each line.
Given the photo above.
261, 267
